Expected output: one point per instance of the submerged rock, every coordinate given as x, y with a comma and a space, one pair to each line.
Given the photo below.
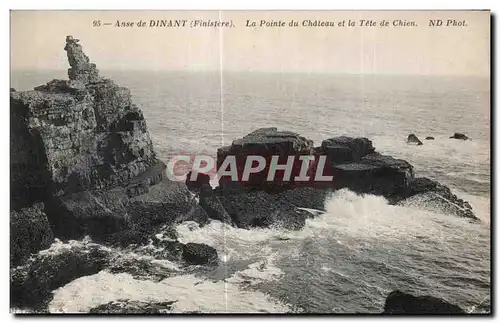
29, 233
398, 302
413, 139
199, 254
127, 306
460, 136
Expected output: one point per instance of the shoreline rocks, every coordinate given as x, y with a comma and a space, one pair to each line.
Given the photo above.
353, 163
82, 164
30, 232
199, 254
31, 284
398, 302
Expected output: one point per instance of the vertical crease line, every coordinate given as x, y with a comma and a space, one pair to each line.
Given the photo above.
221, 80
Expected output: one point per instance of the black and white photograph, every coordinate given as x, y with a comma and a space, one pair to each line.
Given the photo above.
250, 162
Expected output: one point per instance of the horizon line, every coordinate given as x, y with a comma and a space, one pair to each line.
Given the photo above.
21, 69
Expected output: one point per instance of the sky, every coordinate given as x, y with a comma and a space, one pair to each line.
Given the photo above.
38, 39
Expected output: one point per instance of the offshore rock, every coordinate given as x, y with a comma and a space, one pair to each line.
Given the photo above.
201, 180
353, 163
265, 142
29, 233
398, 302
346, 149
264, 209
375, 174
413, 139
460, 136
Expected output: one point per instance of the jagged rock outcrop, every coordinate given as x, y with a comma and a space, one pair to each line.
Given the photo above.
459, 136
264, 142
375, 174
83, 148
353, 163
81, 134
197, 181
31, 285
81, 69
199, 254
431, 195
30, 232
344, 149
413, 139
398, 302
137, 206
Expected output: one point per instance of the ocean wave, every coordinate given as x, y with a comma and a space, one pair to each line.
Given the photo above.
191, 294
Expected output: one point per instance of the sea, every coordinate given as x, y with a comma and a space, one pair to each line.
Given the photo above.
348, 259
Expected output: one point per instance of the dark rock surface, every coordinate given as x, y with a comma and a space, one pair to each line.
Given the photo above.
398, 302
375, 174
264, 209
31, 285
99, 213
29, 233
429, 138
460, 136
81, 68
265, 142
353, 163
127, 306
83, 148
413, 139
199, 180
70, 136
199, 254
434, 196
346, 149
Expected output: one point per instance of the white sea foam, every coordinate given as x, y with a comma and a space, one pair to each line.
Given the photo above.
190, 292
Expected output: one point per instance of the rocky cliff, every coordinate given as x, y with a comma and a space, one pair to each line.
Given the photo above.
77, 134
82, 149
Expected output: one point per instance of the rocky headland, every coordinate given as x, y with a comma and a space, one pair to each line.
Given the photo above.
83, 165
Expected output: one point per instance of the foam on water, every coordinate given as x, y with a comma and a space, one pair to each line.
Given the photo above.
348, 215
190, 292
